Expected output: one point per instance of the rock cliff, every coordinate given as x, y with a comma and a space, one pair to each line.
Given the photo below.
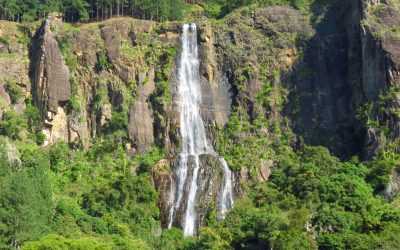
331, 79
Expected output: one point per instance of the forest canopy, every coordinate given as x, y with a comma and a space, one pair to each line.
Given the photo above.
162, 10
84, 10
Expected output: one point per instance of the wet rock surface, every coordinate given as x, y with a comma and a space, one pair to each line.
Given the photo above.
210, 181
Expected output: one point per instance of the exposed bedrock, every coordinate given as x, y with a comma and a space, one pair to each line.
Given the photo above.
141, 130
50, 75
50, 83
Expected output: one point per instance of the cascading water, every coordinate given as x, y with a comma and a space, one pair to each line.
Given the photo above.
194, 140
227, 190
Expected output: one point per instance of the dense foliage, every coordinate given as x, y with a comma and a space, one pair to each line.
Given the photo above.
60, 198
83, 10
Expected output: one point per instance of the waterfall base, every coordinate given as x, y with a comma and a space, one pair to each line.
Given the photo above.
210, 181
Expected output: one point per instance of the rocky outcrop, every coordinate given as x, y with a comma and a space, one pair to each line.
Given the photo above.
216, 95
141, 130
118, 32
56, 127
50, 75
381, 69
14, 67
51, 87
265, 170
163, 180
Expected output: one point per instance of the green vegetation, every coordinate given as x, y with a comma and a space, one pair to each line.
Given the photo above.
102, 199
14, 91
162, 10
380, 28
12, 125
83, 10
54, 194
220, 8
311, 201
102, 62
65, 197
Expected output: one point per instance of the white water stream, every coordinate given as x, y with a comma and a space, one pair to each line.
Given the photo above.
194, 139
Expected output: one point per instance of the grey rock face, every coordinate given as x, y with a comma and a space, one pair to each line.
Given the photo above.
50, 75
326, 95
280, 19
216, 96
112, 42
50, 84
141, 130
164, 182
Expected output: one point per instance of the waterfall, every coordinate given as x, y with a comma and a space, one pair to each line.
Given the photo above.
227, 190
194, 139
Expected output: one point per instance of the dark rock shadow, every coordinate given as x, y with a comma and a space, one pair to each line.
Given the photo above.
324, 83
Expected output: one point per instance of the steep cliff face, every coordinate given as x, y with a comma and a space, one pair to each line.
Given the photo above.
50, 84
322, 72
50, 75
141, 120
216, 92
324, 82
333, 57
331, 78
14, 67
380, 45
115, 80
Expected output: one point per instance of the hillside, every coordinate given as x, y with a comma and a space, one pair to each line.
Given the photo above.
297, 105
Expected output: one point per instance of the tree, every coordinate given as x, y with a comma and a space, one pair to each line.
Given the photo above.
26, 201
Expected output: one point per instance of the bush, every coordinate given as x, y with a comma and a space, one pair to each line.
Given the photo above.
59, 155
14, 91
102, 62
40, 138
12, 125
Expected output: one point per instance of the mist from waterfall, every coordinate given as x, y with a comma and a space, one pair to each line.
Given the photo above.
194, 139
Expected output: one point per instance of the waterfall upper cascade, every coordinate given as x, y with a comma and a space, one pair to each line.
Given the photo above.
194, 142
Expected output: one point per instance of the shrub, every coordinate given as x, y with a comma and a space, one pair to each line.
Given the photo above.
14, 91
12, 125
102, 62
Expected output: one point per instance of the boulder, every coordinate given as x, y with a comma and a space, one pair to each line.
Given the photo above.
265, 170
